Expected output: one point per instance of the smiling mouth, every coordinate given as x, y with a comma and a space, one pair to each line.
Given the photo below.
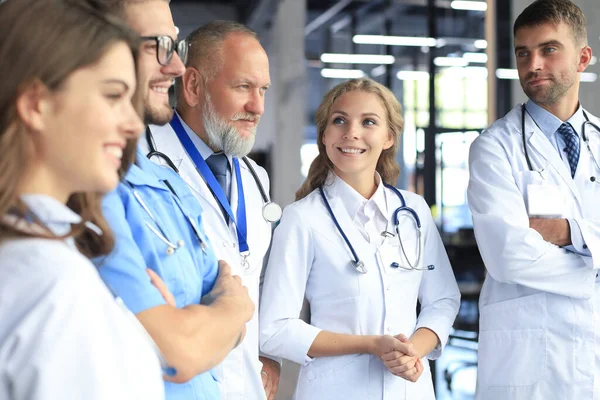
351, 150
160, 89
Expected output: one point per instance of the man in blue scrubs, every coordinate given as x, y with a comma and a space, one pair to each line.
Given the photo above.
157, 226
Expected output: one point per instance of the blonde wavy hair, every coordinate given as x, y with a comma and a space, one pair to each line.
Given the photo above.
387, 166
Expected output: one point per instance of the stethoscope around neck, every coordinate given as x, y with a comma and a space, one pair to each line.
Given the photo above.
358, 264
584, 136
271, 211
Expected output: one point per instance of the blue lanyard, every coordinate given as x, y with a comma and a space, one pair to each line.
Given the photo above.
211, 181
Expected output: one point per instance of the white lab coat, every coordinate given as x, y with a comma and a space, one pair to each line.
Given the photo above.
239, 374
539, 306
310, 259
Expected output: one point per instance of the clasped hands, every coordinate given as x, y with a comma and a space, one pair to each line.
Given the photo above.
399, 356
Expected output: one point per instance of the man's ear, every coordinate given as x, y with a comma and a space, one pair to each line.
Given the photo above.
192, 86
585, 57
33, 105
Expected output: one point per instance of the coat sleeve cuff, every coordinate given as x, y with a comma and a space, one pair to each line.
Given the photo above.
441, 327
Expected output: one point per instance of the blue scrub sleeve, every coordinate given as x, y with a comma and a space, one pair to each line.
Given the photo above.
124, 270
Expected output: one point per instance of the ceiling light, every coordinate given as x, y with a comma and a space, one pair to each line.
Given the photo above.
480, 44
378, 71
357, 58
394, 40
589, 77
476, 57
450, 62
342, 73
469, 5
507, 73
412, 75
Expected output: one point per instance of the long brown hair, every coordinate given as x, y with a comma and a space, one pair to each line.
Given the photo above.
387, 166
46, 41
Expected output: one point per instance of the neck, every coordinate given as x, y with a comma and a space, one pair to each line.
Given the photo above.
363, 182
564, 108
193, 118
38, 180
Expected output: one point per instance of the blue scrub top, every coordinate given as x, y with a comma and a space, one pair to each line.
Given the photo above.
189, 271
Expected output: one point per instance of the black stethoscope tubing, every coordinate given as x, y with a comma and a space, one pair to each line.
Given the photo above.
360, 265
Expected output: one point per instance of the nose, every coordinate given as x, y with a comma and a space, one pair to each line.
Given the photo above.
132, 125
536, 62
256, 103
175, 67
352, 131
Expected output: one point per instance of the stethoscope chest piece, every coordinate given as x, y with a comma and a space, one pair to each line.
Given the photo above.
359, 266
271, 212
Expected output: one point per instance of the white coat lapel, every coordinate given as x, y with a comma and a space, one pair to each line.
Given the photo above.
541, 145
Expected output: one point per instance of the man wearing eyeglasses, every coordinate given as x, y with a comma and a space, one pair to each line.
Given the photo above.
160, 238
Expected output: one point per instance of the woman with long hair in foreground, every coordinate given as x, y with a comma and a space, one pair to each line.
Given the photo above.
68, 126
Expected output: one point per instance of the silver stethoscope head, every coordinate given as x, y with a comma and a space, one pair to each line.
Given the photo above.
271, 212
357, 264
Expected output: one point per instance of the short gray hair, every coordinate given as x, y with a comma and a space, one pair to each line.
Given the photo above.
205, 45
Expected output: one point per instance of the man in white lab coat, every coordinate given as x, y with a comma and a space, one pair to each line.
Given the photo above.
220, 100
534, 196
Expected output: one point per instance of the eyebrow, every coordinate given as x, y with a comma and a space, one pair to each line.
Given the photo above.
250, 81
367, 114
547, 43
117, 82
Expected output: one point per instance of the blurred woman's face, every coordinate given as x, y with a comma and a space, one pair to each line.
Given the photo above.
89, 121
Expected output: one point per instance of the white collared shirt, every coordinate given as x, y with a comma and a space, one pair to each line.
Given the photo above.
369, 215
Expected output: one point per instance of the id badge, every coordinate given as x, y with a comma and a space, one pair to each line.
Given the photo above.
545, 201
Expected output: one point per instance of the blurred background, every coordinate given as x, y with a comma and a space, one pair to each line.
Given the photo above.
451, 66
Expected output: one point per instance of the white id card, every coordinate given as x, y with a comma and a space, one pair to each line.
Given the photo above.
545, 201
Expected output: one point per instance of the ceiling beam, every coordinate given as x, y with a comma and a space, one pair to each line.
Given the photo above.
326, 16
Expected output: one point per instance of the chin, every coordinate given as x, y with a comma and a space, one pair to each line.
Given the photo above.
107, 183
161, 115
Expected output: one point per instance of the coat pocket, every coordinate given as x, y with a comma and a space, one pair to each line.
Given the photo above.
512, 342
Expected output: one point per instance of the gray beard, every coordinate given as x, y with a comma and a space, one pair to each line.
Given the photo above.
223, 136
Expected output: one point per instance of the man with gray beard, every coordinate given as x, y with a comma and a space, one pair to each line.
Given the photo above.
220, 100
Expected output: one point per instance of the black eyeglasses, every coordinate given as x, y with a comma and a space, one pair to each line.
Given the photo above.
165, 46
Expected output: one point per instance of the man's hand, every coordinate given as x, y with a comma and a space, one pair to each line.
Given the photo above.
403, 365
270, 376
162, 287
229, 289
553, 230
228, 292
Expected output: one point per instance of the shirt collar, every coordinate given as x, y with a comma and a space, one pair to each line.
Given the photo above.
55, 215
353, 200
549, 123
202, 147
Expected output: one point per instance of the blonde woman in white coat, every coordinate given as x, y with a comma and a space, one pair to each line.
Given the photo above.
339, 248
